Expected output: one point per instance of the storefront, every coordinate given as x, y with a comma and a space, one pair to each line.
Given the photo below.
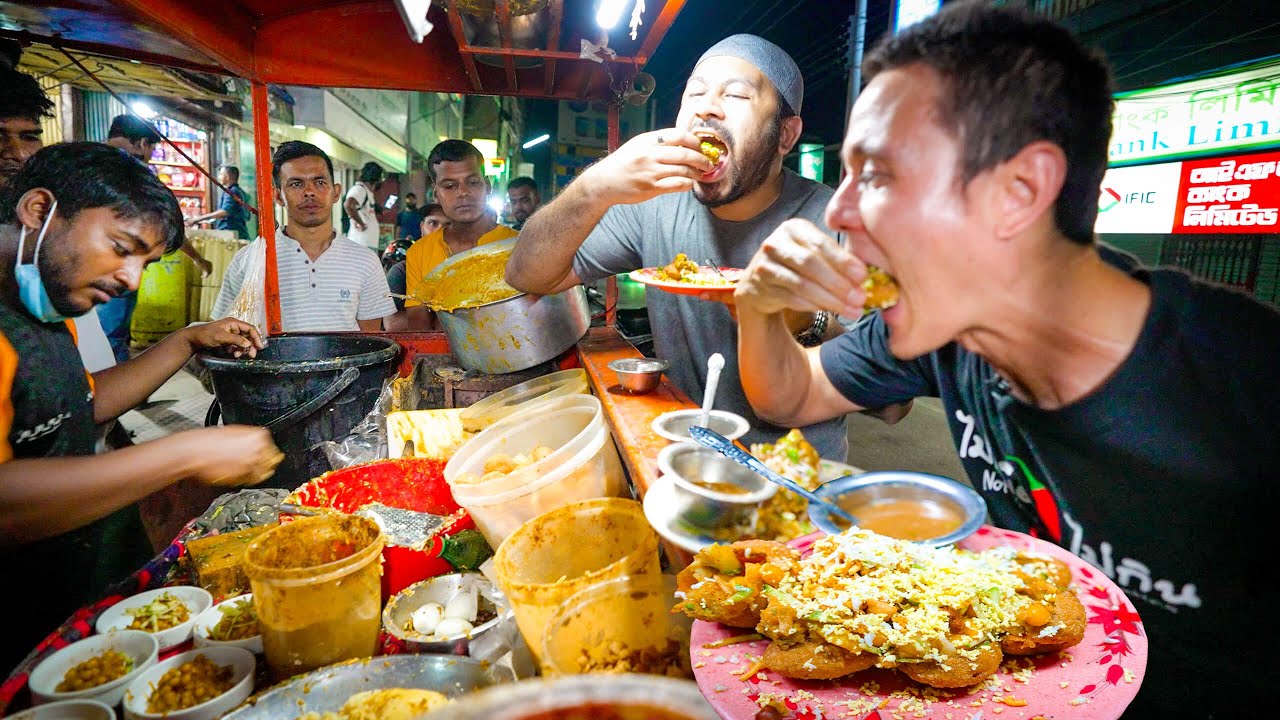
1193, 181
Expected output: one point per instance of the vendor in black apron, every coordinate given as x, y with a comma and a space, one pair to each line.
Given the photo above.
78, 224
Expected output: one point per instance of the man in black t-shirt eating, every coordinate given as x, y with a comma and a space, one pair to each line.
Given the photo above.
1127, 415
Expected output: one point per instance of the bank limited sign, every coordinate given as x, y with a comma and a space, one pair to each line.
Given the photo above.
1230, 111
1238, 194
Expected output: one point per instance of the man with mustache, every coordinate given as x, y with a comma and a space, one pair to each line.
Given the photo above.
1127, 414
460, 186
23, 104
657, 195
78, 224
328, 283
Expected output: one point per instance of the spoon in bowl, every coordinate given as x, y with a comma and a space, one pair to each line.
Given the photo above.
715, 364
724, 446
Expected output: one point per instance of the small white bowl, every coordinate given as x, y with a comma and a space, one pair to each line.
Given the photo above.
141, 647
67, 710
674, 425
196, 599
135, 698
209, 618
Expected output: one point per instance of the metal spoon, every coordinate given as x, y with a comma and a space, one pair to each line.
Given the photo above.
714, 268
724, 446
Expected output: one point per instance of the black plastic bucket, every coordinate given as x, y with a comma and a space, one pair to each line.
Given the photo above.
305, 389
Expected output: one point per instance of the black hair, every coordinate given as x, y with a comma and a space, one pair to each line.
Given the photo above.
233, 171
371, 172
132, 129
453, 151
292, 150
23, 97
431, 209
523, 181
1011, 78
410, 195
87, 175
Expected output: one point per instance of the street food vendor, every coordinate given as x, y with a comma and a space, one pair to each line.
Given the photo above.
1127, 414
78, 223
457, 175
658, 196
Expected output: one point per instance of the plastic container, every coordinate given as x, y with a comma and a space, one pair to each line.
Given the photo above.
654, 698
555, 555
162, 300
409, 483
499, 405
620, 625
584, 464
316, 588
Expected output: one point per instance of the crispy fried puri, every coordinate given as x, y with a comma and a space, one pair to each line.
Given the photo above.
815, 660
956, 671
1067, 620
725, 583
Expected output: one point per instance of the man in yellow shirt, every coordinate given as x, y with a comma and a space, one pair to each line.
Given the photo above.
461, 188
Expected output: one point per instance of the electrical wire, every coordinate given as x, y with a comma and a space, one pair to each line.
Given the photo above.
1168, 39
1197, 52
129, 108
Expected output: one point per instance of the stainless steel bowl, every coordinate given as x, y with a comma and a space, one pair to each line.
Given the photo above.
853, 490
639, 375
326, 689
399, 613
688, 463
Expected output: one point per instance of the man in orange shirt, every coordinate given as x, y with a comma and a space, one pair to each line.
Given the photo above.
461, 188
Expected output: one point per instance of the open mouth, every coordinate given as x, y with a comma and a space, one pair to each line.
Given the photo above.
713, 148
880, 288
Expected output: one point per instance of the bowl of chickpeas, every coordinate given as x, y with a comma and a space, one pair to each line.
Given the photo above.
168, 613
197, 685
97, 668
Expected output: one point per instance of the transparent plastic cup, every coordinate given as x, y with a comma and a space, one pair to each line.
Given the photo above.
624, 625
499, 405
584, 464
555, 555
317, 588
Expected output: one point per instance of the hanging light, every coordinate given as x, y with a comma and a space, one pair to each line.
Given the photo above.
537, 141
609, 12
142, 110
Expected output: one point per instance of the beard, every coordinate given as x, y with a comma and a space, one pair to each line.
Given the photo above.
750, 168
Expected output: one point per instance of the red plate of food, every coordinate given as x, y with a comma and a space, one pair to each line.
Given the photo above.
683, 276
1096, 678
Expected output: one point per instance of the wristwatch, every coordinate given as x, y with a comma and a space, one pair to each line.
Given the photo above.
812, 335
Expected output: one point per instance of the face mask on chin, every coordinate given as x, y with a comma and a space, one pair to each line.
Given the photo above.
31, 290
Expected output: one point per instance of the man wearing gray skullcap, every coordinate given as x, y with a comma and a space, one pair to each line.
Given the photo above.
712, 187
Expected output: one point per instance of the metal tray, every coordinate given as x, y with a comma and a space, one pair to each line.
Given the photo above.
326, 689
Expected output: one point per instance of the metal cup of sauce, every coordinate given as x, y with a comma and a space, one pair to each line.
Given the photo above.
712, 491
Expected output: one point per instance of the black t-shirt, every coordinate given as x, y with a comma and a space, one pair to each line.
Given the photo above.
1163, 477
44, 384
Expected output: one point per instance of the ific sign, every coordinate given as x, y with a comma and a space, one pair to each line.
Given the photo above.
1138, 199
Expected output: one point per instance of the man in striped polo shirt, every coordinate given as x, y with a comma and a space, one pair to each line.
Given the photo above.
328, 283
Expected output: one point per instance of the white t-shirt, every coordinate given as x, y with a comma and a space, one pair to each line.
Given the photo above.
343, 285
91, 341
367, 212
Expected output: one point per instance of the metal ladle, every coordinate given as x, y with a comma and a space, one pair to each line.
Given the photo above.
724, 446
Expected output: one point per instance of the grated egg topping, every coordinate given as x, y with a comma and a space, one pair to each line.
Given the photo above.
929, 603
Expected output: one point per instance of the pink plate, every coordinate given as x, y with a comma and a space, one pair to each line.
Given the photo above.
648, 276
1095, 679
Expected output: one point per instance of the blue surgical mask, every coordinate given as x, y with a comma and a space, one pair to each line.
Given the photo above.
31, 288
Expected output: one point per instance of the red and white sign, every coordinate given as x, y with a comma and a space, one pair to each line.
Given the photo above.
1232, 195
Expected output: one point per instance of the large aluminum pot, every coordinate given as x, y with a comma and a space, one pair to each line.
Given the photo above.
516, 333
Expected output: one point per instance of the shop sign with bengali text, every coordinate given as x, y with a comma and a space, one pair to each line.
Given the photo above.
1236, 110
1139, 200
1229, 195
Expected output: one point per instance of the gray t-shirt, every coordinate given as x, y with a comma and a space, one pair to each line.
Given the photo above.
687, 330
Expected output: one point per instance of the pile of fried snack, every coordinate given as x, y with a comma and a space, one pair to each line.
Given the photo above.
942, 616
